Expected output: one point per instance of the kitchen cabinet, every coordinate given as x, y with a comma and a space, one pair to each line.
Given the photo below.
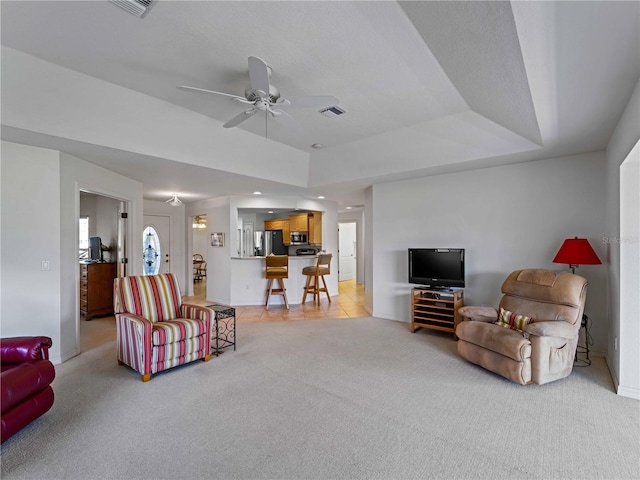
286, 233
315, 228
280, 224
273, 224
299, 222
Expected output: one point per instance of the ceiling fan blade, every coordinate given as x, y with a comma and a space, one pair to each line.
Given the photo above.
202, 90
285, 119
241, 117
259, 76
314, 101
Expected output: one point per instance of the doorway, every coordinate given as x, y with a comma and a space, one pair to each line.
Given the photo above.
200, 242
103, 218
347, 241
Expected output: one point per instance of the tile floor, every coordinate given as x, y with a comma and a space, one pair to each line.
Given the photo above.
349, 303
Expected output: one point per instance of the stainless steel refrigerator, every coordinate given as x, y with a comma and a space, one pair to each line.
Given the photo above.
268, 242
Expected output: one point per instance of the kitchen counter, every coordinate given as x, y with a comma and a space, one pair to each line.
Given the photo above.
249, 287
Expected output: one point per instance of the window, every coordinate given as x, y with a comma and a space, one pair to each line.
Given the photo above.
83, 246
151, 251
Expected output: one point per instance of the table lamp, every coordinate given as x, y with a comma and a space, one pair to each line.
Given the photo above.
576, 251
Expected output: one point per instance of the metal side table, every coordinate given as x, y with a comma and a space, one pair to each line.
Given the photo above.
224, 328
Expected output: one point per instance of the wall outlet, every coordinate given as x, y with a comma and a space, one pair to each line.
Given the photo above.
45, 265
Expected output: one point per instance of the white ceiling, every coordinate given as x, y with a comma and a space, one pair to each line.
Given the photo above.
429, 87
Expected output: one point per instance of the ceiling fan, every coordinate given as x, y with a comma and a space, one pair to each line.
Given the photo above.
266, 98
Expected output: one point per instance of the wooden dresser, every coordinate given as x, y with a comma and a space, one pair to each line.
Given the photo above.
96, 289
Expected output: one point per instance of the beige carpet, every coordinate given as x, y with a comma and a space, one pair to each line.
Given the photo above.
344, 398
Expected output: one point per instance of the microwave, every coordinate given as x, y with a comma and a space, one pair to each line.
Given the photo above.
299, 238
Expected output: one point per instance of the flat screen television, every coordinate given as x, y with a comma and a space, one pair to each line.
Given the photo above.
437, 268
95, 249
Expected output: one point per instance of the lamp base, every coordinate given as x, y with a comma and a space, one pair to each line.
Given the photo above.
583, 349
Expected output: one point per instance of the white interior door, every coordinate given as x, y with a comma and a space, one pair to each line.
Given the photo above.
162, 227
247, 244
347, 247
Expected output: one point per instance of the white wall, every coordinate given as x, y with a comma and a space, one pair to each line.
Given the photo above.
201, 241
507, 218
624, 361
218, 258
40, 211
103, 220
630, 271
30, 231
106, 220
368, 249
88, 209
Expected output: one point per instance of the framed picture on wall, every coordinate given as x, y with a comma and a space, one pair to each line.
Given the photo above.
217, 239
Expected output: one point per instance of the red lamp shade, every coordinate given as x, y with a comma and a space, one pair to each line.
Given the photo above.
576, 251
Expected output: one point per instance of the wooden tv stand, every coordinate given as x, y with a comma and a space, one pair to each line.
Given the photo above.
436, 309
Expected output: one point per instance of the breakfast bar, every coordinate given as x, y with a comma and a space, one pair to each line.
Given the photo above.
249, 285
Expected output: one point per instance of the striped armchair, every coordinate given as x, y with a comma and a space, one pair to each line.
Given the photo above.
155, 331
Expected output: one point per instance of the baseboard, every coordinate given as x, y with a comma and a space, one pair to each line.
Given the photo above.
57, 360
219, 301
385, 316
612, 372
621, 390
628, 392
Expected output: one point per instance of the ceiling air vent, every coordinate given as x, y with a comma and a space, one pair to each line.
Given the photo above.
139, 8
333, 111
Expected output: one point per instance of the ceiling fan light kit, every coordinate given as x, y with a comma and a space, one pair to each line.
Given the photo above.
266, 98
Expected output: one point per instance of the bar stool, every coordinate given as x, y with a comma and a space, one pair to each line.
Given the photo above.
197, 265
314, 274
277, 268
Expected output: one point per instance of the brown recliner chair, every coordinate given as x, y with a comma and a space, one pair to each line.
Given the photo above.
544, 349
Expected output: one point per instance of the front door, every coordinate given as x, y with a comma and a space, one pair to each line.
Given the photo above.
156, 243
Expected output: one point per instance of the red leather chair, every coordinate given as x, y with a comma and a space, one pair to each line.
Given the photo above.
26, 376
